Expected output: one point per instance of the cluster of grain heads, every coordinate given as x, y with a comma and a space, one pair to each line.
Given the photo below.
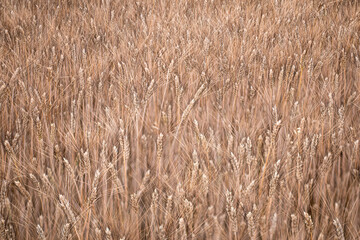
65, 205
6, 227
309, 224
94, 188
231, 211
65, 232
339, 230
177, 120
159, 153
115, 179
251, 226
108, 234
294, 225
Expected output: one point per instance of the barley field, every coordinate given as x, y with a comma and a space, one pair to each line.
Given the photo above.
160, 119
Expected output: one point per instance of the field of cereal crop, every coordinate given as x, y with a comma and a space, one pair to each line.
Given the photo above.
160, 119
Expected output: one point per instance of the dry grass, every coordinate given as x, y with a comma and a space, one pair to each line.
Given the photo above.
179, 119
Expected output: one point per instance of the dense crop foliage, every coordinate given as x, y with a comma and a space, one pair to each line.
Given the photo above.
179, 119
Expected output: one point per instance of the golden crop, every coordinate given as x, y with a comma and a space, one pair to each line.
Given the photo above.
158, 119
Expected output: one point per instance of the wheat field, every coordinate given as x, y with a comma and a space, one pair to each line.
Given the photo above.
159, 119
